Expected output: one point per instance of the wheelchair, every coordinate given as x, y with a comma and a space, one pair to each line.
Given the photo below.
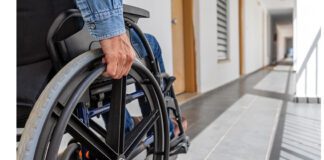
75, 93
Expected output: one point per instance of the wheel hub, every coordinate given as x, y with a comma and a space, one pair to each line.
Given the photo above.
121, 157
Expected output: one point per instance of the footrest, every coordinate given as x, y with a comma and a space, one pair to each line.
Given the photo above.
181, 147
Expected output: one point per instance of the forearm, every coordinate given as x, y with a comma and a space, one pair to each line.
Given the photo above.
104, 18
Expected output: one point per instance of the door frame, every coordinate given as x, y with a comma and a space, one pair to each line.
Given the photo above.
241, 36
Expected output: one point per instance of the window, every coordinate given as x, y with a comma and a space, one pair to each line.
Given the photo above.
222, 30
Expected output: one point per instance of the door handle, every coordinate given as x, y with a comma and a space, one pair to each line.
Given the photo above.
174, 21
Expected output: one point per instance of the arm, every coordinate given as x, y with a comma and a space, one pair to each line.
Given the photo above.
105, 22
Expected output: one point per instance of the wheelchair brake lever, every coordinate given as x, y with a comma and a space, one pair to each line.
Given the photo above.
169, 83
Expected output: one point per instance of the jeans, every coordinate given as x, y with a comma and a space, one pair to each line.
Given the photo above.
140, 49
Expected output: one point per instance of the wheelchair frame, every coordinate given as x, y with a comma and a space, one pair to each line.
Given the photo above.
166, 96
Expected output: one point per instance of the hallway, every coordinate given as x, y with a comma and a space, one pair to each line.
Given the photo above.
253, 118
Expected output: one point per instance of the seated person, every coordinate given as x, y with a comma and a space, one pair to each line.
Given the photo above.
106, 23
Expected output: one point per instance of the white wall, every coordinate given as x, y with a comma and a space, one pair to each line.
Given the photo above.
284, 31
159, 24
253, 35
308, 22
211, 73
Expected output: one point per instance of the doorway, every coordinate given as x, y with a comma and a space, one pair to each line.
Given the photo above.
281, 27
184, 62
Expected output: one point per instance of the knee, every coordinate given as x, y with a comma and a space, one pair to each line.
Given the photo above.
150, 38
154, 44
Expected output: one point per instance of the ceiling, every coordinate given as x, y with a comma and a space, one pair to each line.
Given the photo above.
278, 6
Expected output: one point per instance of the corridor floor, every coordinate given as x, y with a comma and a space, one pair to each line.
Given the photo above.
253, 118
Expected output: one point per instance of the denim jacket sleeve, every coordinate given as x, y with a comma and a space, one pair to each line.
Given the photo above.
104, 18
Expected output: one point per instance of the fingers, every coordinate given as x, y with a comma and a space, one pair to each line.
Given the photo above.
129, 62
117, 67
104, 62
121, 66
111, 68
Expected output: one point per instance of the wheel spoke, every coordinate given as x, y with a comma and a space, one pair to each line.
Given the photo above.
116, 120
136, 135
95, 126
86, 137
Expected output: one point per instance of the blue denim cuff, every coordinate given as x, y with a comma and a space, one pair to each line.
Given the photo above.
110, 27
103, 18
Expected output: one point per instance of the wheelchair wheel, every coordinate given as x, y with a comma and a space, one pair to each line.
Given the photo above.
53, 116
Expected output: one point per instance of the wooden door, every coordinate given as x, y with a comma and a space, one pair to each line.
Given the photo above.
241, 36
178, 46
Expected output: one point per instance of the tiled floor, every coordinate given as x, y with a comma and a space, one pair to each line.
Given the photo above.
253, 119
186, 97
240, 132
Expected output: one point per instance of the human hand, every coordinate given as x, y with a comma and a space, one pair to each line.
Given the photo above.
119, 56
